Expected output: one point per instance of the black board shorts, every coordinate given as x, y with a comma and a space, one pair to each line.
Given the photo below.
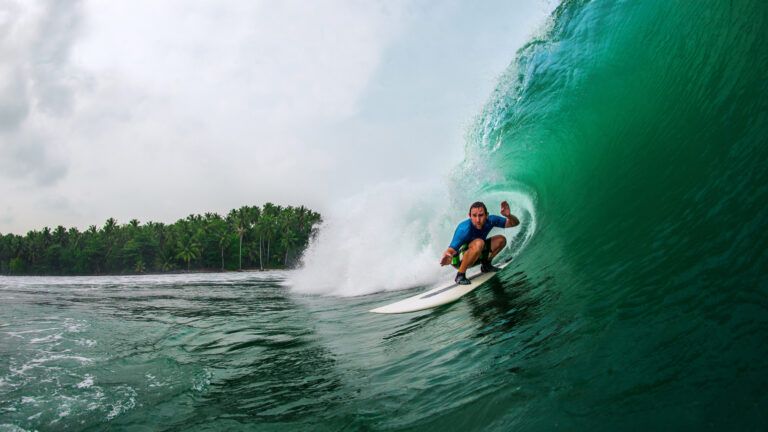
456, 261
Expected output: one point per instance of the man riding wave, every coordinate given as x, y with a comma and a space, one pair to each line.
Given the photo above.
469, 243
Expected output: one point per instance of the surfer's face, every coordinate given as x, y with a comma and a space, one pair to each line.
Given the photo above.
478, 217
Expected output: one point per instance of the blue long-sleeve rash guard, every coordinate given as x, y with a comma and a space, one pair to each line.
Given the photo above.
466, 232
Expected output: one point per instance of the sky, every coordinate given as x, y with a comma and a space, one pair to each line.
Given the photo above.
157, 110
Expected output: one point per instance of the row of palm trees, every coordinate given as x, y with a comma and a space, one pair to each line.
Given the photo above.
249, 237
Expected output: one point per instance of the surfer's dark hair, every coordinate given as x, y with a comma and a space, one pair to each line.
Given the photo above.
478, 204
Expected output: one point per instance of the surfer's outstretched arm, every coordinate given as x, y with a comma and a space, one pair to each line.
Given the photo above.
512, 221
447, 256
459, 238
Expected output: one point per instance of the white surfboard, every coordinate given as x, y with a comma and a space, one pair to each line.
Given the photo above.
437, 296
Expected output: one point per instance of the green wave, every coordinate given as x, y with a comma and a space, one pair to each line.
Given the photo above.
638, 130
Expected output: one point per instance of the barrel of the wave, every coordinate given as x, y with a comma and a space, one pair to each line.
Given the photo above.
640, 129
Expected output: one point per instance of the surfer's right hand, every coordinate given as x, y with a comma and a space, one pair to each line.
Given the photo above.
447, 256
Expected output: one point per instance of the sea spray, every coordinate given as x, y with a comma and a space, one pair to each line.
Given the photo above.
387, 238
392, 236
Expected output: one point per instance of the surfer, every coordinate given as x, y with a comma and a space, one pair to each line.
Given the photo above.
469, 242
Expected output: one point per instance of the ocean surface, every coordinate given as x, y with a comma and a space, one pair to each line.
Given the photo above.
631, 137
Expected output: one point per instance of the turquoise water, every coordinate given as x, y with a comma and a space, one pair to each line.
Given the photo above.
637, 130
239, 352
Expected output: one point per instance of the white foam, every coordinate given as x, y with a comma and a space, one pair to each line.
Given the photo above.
77, 358
90, 343
98, 397
46, 339
122, 406
86, 382
37, 362
201, 381
64, 410
153, 380
12, 428
23, 369
18, 334
387, 238
73, 326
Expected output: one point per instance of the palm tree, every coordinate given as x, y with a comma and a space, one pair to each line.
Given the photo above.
266, 227
60, 234
239, 219
188, 250
214, 232
223, 238
140, 267
109, 232
109, 226
290, 237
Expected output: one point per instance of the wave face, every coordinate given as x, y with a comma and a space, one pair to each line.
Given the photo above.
639, 129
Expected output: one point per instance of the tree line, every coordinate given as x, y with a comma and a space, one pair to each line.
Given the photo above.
250, 237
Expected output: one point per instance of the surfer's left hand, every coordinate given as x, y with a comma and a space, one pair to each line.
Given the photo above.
505, 209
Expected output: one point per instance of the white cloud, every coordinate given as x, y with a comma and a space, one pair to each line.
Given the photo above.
155, 110
180, 106
36, 87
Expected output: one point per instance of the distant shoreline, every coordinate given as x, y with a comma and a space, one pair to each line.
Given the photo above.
175, 272
250, 237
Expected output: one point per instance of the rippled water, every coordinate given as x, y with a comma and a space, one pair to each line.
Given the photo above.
241, 352
234, 351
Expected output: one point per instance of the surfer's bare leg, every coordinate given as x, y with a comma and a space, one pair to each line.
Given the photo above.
497, 244
474, 249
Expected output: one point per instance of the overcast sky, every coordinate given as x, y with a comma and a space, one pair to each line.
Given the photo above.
157, 109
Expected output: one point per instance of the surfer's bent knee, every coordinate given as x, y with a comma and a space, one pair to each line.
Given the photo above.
476, 244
